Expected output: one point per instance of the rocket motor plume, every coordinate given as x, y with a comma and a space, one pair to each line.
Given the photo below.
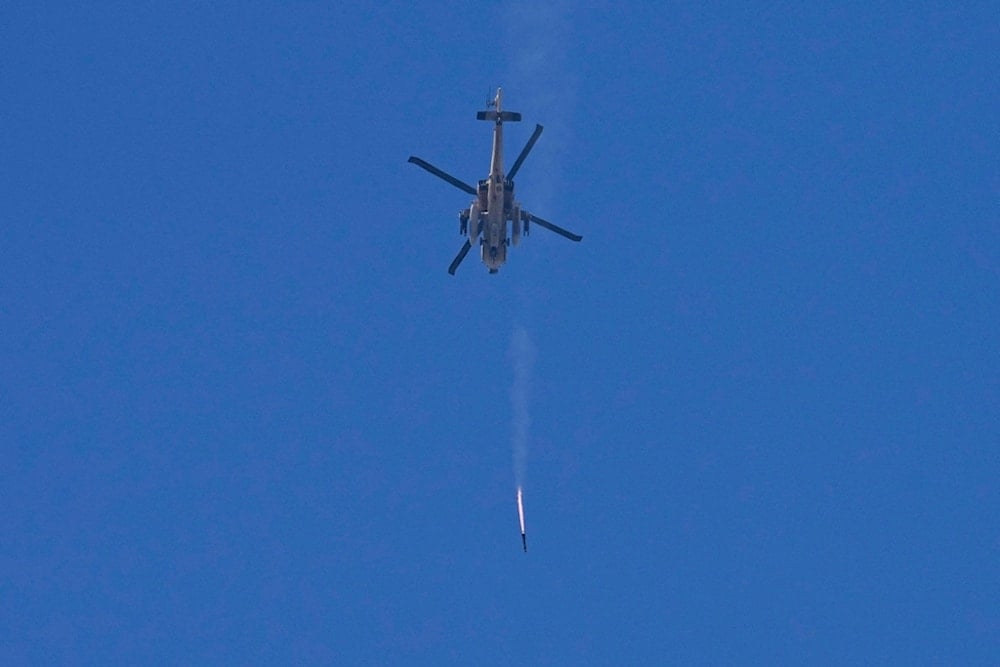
520, 509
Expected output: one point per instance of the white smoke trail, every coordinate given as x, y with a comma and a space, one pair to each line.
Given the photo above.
522, 354
542, 83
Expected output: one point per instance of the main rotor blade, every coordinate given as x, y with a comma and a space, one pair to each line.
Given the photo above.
524, 152
555, 228
459, 257
461, 185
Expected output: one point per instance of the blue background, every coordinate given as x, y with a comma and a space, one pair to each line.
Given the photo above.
247, 417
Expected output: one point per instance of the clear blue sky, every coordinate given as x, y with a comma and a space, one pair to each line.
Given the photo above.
246, 416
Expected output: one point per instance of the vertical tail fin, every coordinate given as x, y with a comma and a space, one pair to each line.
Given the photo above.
498, 114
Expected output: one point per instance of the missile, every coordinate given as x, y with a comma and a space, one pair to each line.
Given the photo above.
520, 516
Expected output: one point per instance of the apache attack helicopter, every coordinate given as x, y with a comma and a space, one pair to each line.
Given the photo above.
485, 221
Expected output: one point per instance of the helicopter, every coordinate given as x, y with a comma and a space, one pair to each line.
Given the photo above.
485, 220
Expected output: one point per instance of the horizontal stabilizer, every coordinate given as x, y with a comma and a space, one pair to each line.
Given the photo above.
504, 116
